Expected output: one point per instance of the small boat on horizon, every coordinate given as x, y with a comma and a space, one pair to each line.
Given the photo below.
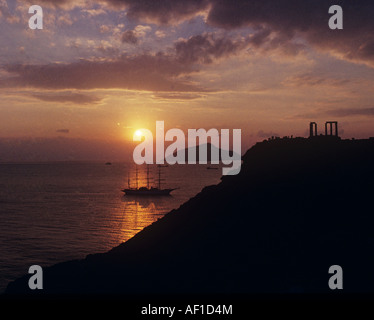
147, 191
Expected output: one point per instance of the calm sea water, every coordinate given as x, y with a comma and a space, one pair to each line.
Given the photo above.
59, 211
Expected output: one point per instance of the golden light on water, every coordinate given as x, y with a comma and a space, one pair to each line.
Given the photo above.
139, 213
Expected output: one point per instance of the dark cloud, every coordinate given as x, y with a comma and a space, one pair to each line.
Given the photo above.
161, 11
63, 4
337, 112
290, 19
6, 13
161, 72
63, 149
351, 112
282, 14
158, 72
307, 19
4, 10
177, 96
129, 37
310, 79
63, 130
206, 47
77, 98
283, 25
265, 39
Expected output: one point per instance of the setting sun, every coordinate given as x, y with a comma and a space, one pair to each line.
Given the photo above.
138, 133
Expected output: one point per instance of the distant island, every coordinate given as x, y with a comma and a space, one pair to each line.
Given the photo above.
298, 206
210, 148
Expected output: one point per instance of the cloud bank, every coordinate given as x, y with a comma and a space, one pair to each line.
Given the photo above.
157, 72
290, 19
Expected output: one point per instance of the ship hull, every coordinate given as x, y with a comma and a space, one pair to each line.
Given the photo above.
149, 192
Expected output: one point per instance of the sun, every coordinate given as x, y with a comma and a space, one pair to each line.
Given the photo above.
138, 133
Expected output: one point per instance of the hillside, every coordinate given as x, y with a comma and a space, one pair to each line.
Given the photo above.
297, 207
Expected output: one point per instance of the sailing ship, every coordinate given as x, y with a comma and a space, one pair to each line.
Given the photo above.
148, 190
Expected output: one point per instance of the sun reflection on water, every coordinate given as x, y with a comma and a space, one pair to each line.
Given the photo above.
139, 212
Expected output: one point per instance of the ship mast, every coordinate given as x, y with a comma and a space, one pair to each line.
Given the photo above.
159, 177
147, 176
136, 176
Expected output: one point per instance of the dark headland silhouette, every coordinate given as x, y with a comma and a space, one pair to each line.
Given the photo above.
298, 206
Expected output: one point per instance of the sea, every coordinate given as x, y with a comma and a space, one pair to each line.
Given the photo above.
54, 212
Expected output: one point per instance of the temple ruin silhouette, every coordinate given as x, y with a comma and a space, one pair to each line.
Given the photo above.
313, 129
331, 129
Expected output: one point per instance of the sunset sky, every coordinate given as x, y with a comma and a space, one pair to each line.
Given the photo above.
100, 69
